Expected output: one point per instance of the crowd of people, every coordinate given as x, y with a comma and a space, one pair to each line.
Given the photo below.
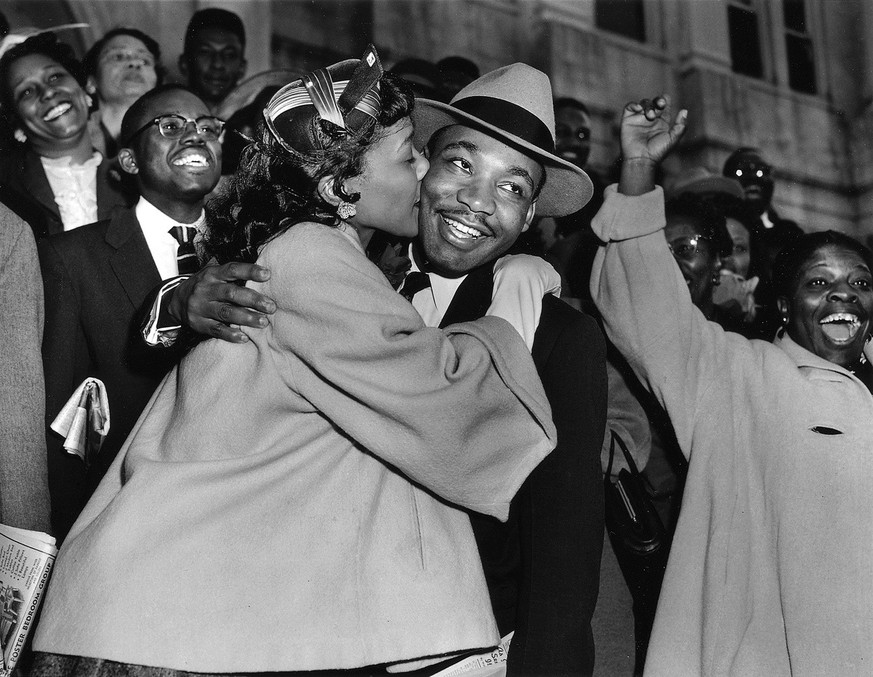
371, 339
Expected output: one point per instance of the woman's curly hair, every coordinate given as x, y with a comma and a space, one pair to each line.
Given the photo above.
46, 44
273, 189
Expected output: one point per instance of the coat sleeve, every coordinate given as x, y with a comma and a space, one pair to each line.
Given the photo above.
67, 363
648, 314
24, 496
461, 412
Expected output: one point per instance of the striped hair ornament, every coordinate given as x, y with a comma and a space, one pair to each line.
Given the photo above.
345, 94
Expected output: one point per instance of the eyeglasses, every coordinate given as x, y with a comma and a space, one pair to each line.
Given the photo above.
686, 248
173, 126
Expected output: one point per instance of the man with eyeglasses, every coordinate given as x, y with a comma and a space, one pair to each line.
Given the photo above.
98, 277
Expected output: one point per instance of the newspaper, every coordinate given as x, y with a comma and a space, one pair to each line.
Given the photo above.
26, 559
489, 664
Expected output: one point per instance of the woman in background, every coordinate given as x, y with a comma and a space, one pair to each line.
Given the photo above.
54, 178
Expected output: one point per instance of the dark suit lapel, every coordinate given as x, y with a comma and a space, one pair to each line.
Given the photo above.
132, 260
36, 184
472, 298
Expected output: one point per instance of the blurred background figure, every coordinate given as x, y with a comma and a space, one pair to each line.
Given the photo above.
119, 68
213, 59
53, 177
734, 293
456, 72
770, 232
567, 241
422, 75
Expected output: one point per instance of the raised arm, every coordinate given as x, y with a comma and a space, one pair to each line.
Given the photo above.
639, 289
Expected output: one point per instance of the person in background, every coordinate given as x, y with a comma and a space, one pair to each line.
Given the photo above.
120, 67
769, 569
98, 277
422, 75
770, 232
567, 242
24, 496
213, 59
54, 178
456, 72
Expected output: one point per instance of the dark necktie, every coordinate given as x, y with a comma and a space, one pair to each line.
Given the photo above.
414, 283
186, 256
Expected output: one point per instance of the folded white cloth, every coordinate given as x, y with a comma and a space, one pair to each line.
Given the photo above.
84, 419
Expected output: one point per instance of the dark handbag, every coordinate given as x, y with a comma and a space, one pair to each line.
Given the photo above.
631, 519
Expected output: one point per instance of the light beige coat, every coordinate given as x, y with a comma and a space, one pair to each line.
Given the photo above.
277, 507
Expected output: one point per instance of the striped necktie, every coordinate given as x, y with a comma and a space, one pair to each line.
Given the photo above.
414, 283
186, 256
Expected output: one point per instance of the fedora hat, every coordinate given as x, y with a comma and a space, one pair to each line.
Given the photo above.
699, 179
512, 104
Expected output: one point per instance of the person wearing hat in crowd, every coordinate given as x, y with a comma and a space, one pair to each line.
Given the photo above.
284, 505
422, 75
493, 167
456, 72
734, 292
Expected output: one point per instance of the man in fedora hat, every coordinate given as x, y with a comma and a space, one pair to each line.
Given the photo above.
492, 168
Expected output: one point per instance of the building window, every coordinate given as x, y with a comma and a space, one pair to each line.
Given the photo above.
745, 38
798, 47
625, 17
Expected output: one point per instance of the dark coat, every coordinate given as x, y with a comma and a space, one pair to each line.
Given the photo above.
97, 279
543, 565
25, 189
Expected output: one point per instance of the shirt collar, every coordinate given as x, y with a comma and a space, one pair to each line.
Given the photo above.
66, 162
153, 219
804, 358
442, 288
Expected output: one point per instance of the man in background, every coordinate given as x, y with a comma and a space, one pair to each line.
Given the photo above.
98, 277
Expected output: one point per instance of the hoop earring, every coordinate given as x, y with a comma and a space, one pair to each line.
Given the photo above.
19, 135
346, 210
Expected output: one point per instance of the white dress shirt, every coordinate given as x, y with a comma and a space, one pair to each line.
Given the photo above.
74, 188
520, 282
156, 229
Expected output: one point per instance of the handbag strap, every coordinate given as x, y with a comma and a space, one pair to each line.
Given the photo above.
616, 439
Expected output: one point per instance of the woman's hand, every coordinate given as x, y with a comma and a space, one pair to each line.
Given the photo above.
648, 134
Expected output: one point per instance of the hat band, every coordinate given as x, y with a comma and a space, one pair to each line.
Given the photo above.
510, 118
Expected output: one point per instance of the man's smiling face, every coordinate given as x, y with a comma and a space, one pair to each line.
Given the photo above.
182, 169
476, 199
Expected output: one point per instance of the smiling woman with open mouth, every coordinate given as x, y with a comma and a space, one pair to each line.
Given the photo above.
53, 178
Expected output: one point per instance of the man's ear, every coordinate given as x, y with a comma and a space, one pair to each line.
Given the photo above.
127, 161
183, 65
531, 212
244, 66
327, 190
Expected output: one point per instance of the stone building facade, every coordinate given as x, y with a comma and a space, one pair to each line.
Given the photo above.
792, 77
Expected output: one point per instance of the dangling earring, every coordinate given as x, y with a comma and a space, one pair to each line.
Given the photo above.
785, 320
346, 210
716, 279
89, 101
19, 135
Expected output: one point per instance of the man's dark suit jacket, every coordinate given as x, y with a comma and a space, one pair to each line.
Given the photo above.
97, 278
543, 565
25, 189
